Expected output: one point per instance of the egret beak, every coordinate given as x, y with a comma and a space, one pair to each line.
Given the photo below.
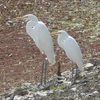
18, 19
53, 33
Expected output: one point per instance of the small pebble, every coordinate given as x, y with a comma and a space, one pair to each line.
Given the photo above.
41, 93
74, 89
88, 66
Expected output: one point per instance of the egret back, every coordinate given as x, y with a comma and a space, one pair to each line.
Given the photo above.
72, 49
45, 42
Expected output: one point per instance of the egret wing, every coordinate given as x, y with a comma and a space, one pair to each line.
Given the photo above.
73, 51
45, 41
33, 34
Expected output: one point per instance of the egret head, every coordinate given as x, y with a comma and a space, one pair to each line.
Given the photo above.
62, 32
26, 18
30, 17
62, 36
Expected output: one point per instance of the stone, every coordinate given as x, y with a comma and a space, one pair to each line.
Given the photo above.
66, 74
30, 99
74, 89
17, 97
95, 62
82, 94
84, 73
96, 98
30, 96
88, 66
96, 93
68, 83
41, 93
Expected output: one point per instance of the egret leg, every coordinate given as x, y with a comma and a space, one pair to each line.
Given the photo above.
59, 72
73, 80
45, 70
76, 74
43, 61
74, 77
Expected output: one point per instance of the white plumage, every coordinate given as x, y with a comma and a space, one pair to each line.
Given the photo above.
38, 31
71, 48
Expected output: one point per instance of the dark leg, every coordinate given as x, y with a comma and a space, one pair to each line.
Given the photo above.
43, 61
76, 74
74, 77
73, 80
45, 70
59, 72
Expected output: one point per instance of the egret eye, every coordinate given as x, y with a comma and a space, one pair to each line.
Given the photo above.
26, 18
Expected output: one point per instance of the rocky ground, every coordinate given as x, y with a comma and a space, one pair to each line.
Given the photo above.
87, 87
20, 59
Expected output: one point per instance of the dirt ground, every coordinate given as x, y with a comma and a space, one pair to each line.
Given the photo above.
20, 59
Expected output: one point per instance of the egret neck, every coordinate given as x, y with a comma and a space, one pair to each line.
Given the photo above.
30, 24
62, 36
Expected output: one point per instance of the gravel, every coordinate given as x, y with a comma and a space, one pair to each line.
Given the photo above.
87, 87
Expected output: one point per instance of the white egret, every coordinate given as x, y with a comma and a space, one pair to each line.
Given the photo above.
38, 31
71, 48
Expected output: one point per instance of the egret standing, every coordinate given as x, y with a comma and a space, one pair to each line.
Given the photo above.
71, 48
38, 31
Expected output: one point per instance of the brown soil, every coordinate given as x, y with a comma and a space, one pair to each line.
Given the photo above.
20, 59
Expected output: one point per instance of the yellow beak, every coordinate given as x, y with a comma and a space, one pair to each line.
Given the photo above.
53, 33
17, 18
